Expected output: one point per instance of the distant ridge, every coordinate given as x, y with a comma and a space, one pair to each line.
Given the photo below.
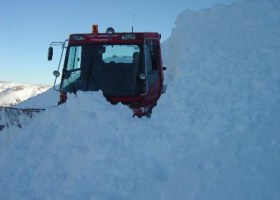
14, 93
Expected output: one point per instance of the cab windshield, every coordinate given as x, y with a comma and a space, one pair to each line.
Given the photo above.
114, 69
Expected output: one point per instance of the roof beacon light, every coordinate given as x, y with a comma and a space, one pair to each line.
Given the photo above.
110, 31
95, 29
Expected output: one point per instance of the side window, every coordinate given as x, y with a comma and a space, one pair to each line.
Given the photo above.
148, 61
73, 72
74, 58
155, 56
151, 61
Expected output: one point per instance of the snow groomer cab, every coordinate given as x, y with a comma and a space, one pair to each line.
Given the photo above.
126, 67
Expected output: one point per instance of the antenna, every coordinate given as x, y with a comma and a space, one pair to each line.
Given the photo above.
133, 19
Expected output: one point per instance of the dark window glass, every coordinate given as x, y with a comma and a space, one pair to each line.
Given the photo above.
114, 69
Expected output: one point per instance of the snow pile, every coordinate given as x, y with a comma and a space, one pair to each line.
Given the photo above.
44, 100
213, 135
14, 93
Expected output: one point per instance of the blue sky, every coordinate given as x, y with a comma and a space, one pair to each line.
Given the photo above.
27, 27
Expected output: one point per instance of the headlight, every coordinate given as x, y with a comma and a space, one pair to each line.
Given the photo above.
78, 37
128, 36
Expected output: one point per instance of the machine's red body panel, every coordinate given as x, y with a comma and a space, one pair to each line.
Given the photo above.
141, 104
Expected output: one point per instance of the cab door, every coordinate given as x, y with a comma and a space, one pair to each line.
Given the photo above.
152, 66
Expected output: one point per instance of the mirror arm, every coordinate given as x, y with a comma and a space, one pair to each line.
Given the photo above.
56, 73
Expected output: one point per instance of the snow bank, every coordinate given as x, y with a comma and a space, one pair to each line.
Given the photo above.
46, 99
213, 135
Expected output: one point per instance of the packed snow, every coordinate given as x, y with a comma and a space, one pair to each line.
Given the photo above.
213, 135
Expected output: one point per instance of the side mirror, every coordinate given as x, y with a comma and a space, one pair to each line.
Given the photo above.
56, 73
164, 68
50, 53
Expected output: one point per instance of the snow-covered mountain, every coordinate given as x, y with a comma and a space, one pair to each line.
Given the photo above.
14, 93
213, 135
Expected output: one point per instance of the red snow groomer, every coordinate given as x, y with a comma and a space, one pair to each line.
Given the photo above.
126, 67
